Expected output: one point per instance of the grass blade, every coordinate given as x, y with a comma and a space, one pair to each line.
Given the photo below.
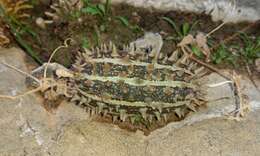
170, 21
123, 20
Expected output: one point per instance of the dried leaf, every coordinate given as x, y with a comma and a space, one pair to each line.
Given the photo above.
3, 39
189, 39
16, 8
201, 41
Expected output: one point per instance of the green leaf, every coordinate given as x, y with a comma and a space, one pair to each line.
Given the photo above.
102, 9
258, 52
223, 54
251, 49
193, 25
185, 29
123, 20
107, 7
245, 38
76, 14
93, 10
258, 41
170, 21
85, 43
136, 28
197, 52
17, 36
86, 2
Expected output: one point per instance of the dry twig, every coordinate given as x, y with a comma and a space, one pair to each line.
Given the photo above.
240, 100
45, 83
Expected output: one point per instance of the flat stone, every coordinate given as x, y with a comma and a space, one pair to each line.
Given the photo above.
225, 10
211, 131
26, 128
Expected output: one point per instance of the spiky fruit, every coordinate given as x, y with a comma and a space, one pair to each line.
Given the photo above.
131, 83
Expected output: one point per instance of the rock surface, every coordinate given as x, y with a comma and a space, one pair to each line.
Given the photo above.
26, 128
225, 10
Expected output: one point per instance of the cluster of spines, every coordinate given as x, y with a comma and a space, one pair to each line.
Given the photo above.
129, 53
123, 114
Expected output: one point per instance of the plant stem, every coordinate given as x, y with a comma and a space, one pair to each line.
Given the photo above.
18, 37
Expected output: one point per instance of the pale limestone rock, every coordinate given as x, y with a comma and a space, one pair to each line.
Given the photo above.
225, 10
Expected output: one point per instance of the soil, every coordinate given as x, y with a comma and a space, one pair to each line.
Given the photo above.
146, 20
